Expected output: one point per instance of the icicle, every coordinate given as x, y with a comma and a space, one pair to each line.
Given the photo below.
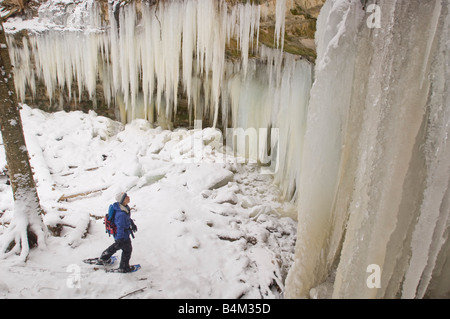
280, 22
147, 60
133, 61
189, 40
24, 74
114, 51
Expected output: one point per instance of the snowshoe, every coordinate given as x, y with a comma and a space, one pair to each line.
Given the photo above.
132, 268
99, 262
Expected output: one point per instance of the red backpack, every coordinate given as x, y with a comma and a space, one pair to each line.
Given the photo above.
111, 228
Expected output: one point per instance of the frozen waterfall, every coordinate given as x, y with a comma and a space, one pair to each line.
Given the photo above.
145, 56
363, 150
374, 186
142, 59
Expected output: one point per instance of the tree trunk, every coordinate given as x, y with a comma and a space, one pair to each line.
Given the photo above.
26, 228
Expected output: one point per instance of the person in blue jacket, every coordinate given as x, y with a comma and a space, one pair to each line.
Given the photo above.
125, 228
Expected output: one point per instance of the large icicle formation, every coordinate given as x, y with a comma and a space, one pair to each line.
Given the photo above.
147, 55
143, 59
374, 187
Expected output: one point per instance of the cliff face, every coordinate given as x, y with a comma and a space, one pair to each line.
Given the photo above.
300, 18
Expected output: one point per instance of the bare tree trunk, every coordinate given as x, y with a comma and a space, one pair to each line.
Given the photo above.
26, 229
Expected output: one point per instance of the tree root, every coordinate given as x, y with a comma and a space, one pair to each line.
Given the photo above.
19, 239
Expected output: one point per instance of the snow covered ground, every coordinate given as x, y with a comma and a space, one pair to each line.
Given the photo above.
206, 229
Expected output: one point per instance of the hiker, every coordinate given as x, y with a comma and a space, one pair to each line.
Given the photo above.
125, 228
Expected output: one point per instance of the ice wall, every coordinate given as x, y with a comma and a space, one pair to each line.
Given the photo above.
374, 188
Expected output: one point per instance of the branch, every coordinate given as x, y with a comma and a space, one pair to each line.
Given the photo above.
133, 292
66, 197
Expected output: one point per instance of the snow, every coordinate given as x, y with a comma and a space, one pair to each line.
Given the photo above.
206, 229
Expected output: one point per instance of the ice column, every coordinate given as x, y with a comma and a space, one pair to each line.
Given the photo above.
322, 148
374, 186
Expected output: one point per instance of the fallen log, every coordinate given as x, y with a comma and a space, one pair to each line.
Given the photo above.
83, 194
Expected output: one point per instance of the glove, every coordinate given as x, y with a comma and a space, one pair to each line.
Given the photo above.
133, 226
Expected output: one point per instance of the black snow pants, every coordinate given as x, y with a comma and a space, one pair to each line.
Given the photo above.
125, 246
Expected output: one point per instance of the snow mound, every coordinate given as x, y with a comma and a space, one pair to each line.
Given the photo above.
206, 229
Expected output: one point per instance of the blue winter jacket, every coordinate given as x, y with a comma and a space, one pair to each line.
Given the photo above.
123, 222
